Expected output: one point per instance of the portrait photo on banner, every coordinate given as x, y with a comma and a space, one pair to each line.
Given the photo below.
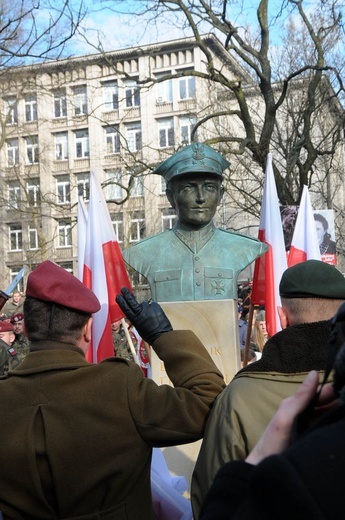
325, 229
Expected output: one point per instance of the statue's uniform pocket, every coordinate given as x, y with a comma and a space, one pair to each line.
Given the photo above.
168, 285
219, 283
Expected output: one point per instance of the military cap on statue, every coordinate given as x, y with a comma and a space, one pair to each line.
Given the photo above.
51, 283
17, 317
194, 158
6, 326
312, 279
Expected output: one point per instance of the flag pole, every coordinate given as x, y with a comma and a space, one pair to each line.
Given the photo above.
249, 333
130, 341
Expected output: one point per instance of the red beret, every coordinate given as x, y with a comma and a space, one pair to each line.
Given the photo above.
51, 283
17, 317
6, 326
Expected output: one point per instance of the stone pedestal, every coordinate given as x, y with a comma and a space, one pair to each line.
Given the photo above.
216, 325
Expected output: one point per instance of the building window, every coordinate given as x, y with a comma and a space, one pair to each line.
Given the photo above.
187, 87
68, 266
31, 108
168, 219
164, 88
137, 189
117, 221
31, 148
166, 135
11, 111
114, 185
80, 101
133, 137
81, 144
64, 238
12, 147
33, 189
60, 104
132, 93
14, 194
137, 226
186, 127
112, 139
61, 146
33, 237
162, 185
83, 186
110, 96
16, 237
63, 190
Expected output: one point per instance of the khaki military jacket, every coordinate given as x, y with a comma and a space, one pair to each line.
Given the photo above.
244, 409
78, 437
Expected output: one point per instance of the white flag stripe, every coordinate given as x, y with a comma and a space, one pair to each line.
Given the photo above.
305, 235
274, 232
82, 230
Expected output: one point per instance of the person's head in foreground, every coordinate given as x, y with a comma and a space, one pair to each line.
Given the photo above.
296, 468
58, 307
310, 291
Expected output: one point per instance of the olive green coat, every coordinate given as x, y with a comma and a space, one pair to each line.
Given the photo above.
78, 437
242, 412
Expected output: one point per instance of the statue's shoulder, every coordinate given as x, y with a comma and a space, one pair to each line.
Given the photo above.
238, 236
243, 241
149, 242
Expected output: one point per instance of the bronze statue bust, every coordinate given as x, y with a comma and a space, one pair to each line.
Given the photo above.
194, 260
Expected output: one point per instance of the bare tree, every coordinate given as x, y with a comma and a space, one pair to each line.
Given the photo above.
36, 29
290, 54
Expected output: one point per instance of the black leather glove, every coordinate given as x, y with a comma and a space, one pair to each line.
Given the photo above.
148, 318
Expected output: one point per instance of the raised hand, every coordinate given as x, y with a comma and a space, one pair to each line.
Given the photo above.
148, 317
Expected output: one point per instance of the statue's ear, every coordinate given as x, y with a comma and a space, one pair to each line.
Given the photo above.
170, 197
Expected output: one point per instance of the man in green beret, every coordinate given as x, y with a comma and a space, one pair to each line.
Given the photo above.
311, 293
194, 260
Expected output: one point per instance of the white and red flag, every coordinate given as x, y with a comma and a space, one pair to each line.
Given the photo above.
270, 266
304, 244
82, 230
104, 270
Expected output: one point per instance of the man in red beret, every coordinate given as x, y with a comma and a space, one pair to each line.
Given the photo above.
21, 342
8, 355
78, 439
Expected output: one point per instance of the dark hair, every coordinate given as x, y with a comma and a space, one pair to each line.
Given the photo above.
50, 321
322, 219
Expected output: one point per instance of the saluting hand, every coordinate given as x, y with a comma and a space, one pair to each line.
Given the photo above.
148, 317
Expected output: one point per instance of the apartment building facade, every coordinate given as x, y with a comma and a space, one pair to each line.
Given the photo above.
103, 113
62, 119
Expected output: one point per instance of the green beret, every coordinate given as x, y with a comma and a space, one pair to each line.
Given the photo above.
312, 279
194, 158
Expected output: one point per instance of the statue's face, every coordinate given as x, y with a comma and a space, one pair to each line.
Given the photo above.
195, 198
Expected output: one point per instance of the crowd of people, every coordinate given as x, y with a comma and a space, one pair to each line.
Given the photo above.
82, 434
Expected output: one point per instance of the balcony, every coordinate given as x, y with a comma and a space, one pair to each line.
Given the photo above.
60, 166
62, 253
112, 115
162, 107
187, 105
131, 113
